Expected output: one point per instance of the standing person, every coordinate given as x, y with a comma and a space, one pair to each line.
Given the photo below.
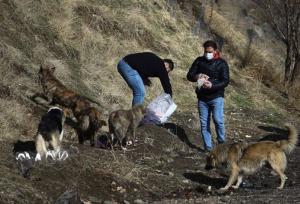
137, 68
212, 74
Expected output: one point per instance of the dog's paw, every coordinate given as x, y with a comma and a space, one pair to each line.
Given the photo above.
280, 188
235, 187
223, 189
51, 154
20, 156
63, 155
38, 157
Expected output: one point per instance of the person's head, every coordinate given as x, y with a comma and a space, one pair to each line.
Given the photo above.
169, 64
210, 48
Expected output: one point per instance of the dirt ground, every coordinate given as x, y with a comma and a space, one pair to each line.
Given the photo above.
165, 166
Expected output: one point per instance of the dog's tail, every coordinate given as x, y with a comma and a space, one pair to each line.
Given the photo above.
84, 122
92, 120
40, 146
289, 145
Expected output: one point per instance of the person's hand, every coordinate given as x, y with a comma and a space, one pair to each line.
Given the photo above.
202, 76
207, 84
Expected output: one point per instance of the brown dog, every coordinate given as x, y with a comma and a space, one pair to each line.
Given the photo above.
88, 117
247, 159
121, 122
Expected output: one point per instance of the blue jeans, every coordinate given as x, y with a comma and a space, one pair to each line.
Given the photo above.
134, 81
216, 107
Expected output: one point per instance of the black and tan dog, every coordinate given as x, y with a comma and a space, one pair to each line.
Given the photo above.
121, 122
88, 117
246, 159
50, 133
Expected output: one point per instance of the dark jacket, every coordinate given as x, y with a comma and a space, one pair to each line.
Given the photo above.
148, 64
218, 72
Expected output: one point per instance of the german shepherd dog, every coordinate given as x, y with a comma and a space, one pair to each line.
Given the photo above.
88, 117
50, 133
246, 159
121, 122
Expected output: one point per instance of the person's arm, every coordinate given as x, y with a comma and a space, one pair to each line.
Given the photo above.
193, 72
165, 82
224, 80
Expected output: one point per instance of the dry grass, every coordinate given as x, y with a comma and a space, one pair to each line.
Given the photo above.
85, 40
257, 54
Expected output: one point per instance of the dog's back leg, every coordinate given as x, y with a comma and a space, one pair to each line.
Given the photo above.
41, 148
238, 183
91, 133
55, 143
80, 135
119, 133
278, 162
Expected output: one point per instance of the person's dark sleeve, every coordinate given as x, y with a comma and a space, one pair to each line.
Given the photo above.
193, 72
224, 79
165, 82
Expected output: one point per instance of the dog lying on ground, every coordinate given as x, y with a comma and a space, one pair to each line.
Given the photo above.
50, 133
88, 117
246, 159
121, 122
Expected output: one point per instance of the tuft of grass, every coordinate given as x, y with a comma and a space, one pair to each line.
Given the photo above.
242, 101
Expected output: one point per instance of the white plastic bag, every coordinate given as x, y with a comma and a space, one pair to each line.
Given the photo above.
159, 110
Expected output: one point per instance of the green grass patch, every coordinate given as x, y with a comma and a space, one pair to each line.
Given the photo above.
242, 101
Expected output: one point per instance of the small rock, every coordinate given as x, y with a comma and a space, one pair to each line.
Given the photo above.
93, 199
109, 202
121, 189
138, 201
170, 160
69, 197
126, 202
185, 181
224, 199
171, 173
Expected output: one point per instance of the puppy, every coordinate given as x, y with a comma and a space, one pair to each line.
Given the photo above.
121, 122
246, 159
50, 133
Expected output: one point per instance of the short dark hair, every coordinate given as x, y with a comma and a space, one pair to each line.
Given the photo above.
210, 43
170, 62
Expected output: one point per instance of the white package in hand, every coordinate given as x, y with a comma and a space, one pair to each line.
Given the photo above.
200, 82
159, 110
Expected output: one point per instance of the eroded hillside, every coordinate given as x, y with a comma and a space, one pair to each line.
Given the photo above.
85, 40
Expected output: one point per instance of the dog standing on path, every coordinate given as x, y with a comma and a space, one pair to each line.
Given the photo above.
121, 122
88, 117
247, 159
50, 133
